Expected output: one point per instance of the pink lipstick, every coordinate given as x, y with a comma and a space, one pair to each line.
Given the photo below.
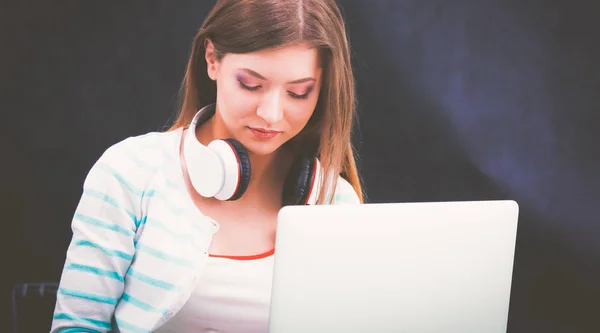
263, 134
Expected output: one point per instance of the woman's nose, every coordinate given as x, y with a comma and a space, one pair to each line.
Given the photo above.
270, 109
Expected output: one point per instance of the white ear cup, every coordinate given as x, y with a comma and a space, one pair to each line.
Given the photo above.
231, 169
204, 166
214, 170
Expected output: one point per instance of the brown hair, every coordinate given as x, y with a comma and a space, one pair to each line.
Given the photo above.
243, 26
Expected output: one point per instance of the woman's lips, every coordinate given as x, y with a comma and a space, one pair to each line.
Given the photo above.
264, 134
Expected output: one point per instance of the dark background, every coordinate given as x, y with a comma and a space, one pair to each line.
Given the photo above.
458, 100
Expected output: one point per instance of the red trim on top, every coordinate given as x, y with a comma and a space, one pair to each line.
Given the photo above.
237, 186
312, 184
250, 257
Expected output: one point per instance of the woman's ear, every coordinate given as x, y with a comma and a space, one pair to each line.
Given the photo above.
211, 59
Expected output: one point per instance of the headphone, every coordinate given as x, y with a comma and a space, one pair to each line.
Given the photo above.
222, 169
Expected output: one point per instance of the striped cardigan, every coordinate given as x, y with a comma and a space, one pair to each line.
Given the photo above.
139, 242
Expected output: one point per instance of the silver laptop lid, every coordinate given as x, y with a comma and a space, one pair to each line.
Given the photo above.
408, 267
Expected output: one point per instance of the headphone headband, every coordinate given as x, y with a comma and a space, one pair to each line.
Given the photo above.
202, 115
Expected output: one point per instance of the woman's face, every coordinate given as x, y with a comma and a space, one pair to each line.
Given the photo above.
265, 98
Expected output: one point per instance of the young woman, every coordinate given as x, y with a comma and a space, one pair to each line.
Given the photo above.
175, 231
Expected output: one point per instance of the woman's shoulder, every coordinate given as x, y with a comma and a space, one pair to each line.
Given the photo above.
147, 149
141, 155
345, 193
149, 143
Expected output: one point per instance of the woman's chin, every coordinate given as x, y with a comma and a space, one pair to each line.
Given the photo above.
262, 148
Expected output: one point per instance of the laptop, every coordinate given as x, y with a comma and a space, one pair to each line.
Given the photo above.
394, 267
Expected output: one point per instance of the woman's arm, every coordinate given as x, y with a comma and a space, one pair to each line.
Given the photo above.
101, 249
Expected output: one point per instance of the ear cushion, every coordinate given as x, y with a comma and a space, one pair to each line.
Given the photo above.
299, 181
244, 165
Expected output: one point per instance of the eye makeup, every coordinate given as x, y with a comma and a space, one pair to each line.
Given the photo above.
303, 96
242, 81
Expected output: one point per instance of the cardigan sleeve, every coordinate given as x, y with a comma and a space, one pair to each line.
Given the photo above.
102, 247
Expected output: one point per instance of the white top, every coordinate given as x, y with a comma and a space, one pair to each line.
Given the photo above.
233, 296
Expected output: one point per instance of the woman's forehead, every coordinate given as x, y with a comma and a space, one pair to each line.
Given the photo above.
287, 63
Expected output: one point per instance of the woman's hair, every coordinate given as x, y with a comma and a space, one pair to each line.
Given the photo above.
243, 26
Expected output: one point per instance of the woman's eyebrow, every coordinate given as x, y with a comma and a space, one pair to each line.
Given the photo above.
306, 79
253, 73
258, 76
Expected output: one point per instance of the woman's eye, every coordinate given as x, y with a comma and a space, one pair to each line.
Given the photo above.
296, 96
292, 94
251, 88
303, 96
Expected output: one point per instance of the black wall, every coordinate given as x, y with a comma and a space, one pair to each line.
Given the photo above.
458, 100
